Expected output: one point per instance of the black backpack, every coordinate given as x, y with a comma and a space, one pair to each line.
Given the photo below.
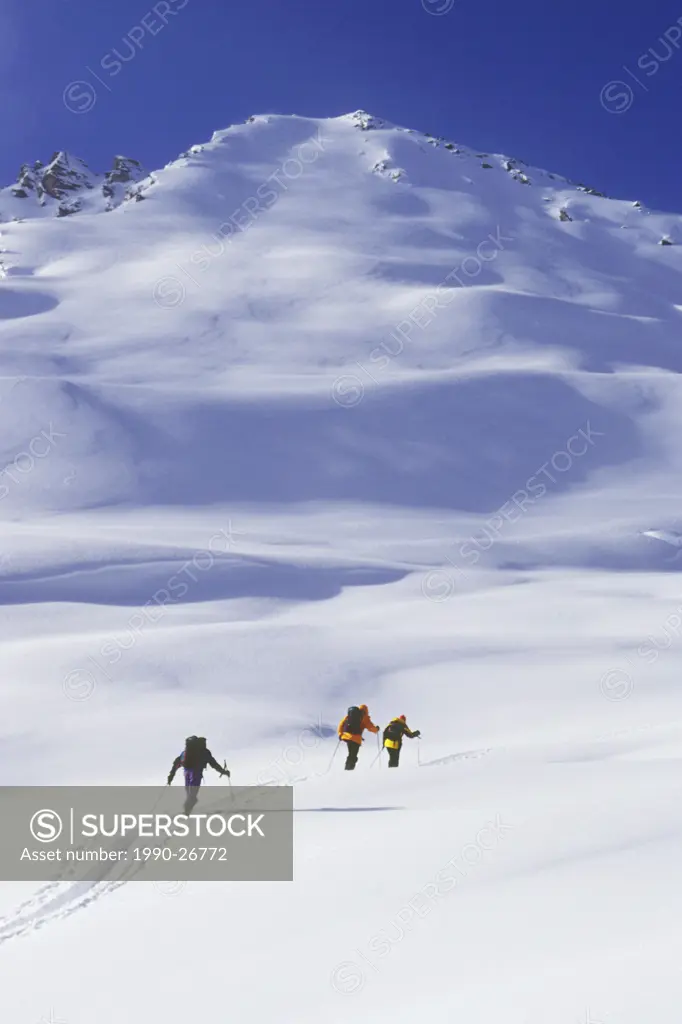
394, 730
195, 752
354, 720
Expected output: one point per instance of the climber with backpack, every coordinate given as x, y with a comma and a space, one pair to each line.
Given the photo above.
351, 729
194, 759
393, 738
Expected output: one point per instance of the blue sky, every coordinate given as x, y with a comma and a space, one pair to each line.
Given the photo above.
590, 90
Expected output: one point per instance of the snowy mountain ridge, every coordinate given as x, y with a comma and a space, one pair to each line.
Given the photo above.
333, 263
62, 187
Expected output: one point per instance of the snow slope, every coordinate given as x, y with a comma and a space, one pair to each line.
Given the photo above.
330, 411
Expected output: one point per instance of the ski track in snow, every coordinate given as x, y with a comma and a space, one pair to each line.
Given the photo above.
466, 755
48, 906
56, 901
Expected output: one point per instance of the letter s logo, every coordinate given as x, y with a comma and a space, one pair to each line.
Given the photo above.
46, 826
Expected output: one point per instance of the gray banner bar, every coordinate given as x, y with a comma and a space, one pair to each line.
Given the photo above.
141, 834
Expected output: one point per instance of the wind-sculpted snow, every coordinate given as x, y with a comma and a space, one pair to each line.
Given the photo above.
327, 412
228, 578
17, 305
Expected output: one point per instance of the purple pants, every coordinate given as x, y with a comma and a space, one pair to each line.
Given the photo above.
192, 783
193, 777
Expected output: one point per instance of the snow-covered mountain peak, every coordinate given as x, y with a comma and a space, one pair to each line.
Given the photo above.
290, 249
368, 122
67, 185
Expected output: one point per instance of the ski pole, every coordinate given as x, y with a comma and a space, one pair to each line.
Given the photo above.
229, 782
333, 756
379, 746
375, 759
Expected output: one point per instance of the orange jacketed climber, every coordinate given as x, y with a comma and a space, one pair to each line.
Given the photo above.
366, 723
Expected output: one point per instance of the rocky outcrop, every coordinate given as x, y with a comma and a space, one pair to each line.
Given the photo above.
63, 176
366, 122
66, 182
119, 183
